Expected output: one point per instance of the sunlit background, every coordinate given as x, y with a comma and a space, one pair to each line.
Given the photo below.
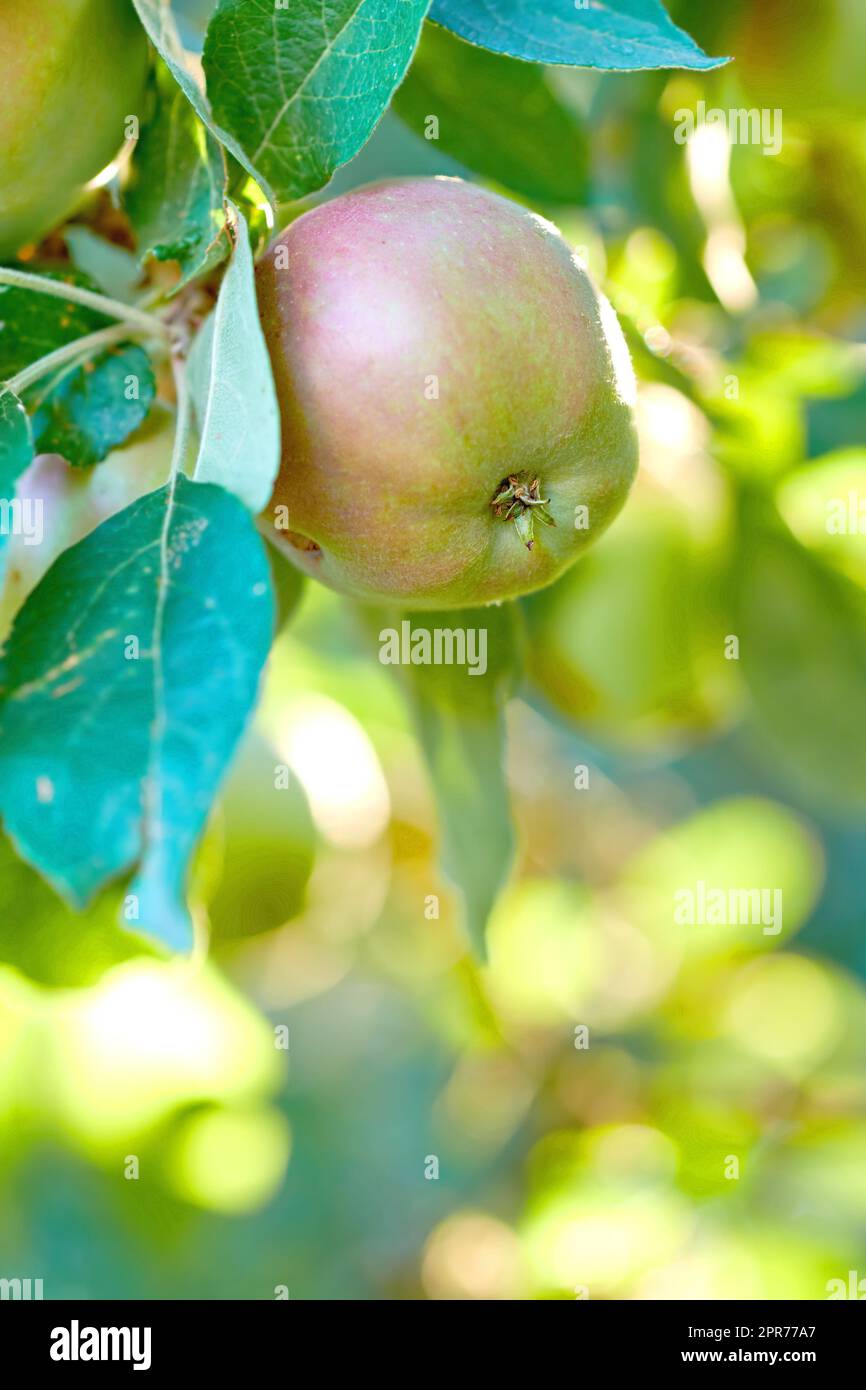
333, 1100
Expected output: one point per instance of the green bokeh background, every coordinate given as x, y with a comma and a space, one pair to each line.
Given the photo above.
334, 1100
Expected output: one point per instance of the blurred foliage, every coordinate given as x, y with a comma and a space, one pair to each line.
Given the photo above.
496, 114
618, 1105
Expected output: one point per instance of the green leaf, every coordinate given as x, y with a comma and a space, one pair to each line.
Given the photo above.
177, 191
128, 678
497, 116
460, 721
288, 582
95, 408
268, 845
233, 388
620, 35
111, 268
86, 409
48, 942
802, 631
16, 454
16, 441
161, 28
34, 324
301, 88
806, 363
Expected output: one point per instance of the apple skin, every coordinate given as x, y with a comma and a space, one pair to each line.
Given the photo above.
371, 303
71, 72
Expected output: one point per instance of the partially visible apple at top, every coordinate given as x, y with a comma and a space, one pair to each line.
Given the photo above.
71, 72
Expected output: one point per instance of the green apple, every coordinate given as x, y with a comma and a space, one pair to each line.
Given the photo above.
456, 396
71, 72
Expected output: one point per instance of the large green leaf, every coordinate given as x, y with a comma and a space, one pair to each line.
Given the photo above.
460, 720
302, 87
615, 34
496, 115
233, 387
176, 195
802, 631
127, 679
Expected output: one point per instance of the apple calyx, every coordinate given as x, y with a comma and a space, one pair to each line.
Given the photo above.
519, 500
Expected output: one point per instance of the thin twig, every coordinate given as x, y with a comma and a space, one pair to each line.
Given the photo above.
112, 308
80, 347
183, 419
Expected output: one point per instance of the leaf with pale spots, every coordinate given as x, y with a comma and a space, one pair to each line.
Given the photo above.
302, 87
126, 682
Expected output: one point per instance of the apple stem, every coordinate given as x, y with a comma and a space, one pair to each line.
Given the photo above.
518, 499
